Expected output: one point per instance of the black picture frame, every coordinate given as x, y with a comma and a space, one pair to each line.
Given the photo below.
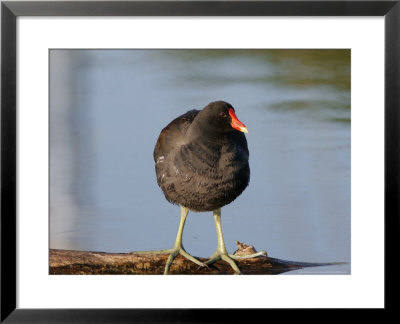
11, 10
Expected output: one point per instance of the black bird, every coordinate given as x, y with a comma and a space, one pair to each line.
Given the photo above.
202, 164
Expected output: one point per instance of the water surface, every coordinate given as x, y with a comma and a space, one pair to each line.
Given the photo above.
107, 108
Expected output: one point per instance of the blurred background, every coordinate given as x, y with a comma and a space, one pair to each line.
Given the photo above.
107, 108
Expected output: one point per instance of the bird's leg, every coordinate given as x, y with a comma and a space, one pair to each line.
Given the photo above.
178, 247
220, 252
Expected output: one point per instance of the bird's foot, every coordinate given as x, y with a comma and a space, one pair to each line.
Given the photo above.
180, 250
223, 255
172, 255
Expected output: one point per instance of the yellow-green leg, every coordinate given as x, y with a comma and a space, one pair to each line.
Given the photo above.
221, 252
178, 247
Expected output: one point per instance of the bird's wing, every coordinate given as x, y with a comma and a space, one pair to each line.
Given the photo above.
173, 134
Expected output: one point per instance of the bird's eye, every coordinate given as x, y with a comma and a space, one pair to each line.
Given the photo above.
222, 114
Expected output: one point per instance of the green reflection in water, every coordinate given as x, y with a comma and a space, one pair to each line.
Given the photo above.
289, 67
312, 67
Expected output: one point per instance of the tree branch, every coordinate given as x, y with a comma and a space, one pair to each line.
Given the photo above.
87, 262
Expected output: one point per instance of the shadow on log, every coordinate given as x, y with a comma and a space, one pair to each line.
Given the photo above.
85, 262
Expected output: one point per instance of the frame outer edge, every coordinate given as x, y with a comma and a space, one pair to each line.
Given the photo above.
8, 165
8, 161
203, 8
392, 149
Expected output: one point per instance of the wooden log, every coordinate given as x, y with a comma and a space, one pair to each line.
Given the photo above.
88, 262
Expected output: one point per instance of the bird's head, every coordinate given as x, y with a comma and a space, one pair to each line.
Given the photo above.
221, 116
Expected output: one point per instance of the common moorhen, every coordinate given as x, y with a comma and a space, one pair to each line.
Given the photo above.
202, 164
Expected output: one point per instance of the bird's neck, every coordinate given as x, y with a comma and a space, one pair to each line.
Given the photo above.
201, 131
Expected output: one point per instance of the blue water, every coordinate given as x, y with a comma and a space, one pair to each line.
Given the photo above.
107, 108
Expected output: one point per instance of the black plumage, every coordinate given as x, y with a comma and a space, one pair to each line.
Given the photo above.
201, 160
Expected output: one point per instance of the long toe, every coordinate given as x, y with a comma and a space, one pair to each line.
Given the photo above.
234, 266
212, 260
224, 256
169, 261
192, 258
186, 255
248, 256
172, 255
153, 252
214, 257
